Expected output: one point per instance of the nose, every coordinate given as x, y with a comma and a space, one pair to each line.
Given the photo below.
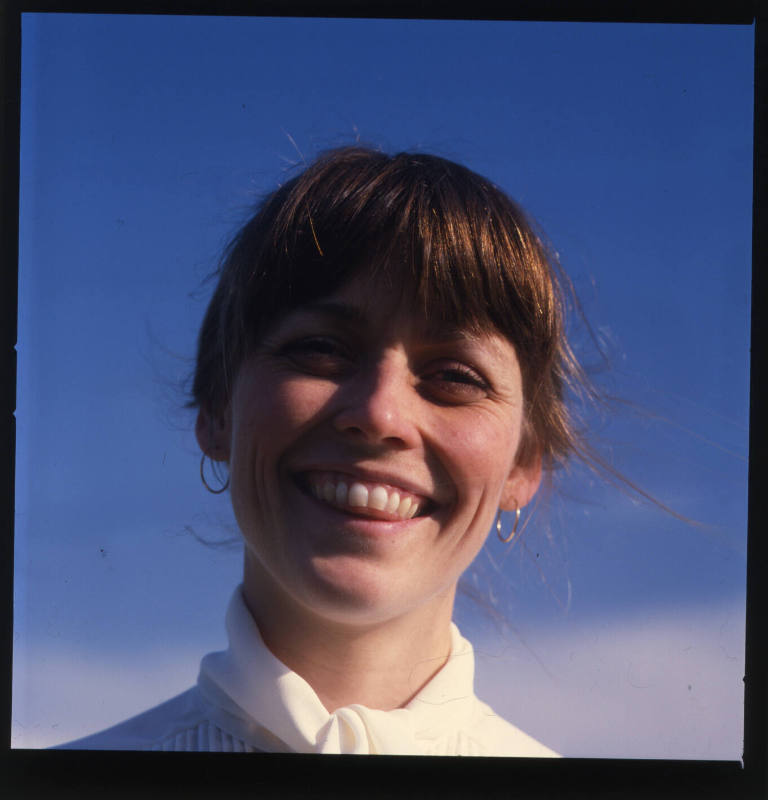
379, 405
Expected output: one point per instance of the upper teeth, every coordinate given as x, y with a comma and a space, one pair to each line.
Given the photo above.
357, 495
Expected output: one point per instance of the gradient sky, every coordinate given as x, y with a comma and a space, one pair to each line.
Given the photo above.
146, 140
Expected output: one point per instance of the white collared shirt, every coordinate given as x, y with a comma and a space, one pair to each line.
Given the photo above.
246, 700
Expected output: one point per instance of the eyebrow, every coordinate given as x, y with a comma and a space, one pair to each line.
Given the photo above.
341, 311
354, 315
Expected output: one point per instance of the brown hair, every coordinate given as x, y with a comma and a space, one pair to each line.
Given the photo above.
466, 252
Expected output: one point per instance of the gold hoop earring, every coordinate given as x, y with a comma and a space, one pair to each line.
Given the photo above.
511, 536
205, 482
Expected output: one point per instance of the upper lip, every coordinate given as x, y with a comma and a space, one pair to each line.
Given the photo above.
375, 476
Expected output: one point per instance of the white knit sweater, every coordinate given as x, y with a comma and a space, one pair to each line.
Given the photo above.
246, 700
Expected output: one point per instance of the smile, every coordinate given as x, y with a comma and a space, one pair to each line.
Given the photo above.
375, 500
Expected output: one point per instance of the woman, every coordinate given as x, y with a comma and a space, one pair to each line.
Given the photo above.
381, 371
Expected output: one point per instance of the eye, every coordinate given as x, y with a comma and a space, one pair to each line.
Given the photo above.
456, 381
318, 354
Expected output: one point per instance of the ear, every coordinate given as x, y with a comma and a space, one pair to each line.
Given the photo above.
521, 485
213, 435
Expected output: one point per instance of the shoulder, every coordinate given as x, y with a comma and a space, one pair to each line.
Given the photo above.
497, 737
180, 723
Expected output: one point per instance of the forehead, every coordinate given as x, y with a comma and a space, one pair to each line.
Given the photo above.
367, 300
365, 305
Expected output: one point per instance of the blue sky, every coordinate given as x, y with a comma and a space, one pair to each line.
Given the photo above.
145, 140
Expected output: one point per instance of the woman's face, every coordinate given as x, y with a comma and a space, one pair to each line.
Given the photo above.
368, 454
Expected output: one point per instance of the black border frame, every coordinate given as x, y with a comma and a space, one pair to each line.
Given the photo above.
61, 774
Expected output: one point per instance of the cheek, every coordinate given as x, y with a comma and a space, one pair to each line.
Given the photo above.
293, 408
298, 402
483, 454
270, 416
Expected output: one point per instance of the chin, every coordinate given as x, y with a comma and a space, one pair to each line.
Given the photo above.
355, 594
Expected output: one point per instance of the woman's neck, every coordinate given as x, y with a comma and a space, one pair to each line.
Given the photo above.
381, 665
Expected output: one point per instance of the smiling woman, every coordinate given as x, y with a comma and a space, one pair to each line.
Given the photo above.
381, 370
